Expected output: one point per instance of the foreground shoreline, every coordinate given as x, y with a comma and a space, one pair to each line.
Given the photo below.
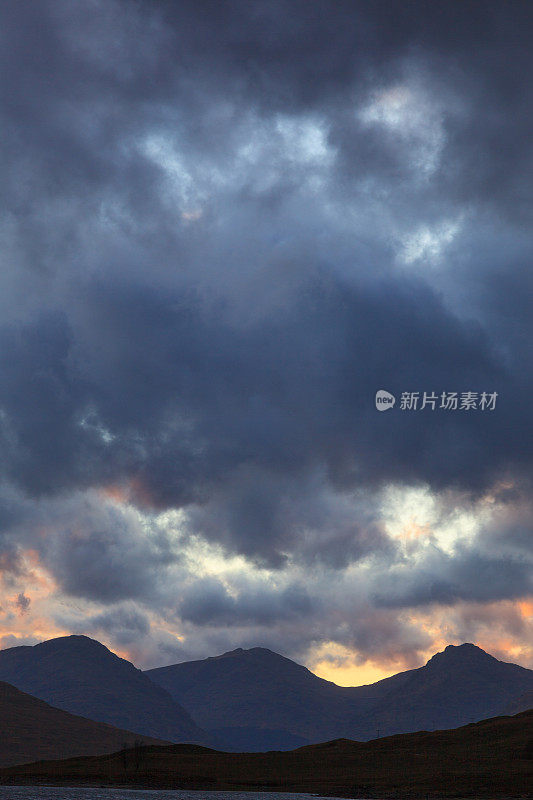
270, 790
267, 791
488, 760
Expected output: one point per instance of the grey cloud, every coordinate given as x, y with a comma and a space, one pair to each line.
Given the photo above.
332, 608
467, 575
95, 549
125, 624
182, 402
270, 517
22, 603
106, 557
208, 602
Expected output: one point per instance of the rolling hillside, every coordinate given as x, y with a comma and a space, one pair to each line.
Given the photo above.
32, 730
490, 759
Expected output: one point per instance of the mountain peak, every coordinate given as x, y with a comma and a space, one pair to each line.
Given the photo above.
252, 651
74, 639
82, 676
78, 646
260, 700
466, 653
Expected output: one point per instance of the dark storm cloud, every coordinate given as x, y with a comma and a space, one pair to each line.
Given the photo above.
103, 554
202, 290
93, 548
165, 392
209, 602
10, 561
300, 57
468, 575
510, 532
125, 624
267, 516
83, 83
293, 622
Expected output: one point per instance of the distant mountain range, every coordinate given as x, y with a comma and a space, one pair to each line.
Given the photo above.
33, 730
490, 760
248, 700
242, 691
80, 675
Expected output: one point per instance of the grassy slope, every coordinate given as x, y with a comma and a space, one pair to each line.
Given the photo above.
31, 729
489, 759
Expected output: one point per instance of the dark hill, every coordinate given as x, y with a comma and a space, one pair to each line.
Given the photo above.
491, 759
31, 730
80, 675
245, 690
460, 685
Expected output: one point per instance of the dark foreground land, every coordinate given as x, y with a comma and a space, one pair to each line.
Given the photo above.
489, 759
31, 729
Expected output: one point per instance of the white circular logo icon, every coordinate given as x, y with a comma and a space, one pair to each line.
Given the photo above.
384, 400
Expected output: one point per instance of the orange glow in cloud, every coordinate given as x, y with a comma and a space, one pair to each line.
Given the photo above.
413, 531
115, 492
345, 667
13, 637
119, 652
352, 674
526, 608
506, 649
25, 602
142, 494
132, 490
29, 571
41, 581
503, 629
32, 626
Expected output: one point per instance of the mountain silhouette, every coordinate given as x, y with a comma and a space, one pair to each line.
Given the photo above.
522, 703
245, 690
33, 730
459, 685
82, 676
256, 699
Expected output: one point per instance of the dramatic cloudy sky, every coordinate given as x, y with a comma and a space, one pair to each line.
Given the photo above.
225, 225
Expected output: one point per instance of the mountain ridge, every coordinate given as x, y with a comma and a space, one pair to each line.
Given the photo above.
82, 676
246, 690
256, 699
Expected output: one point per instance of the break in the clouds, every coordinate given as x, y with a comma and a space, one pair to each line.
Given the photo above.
225, 226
